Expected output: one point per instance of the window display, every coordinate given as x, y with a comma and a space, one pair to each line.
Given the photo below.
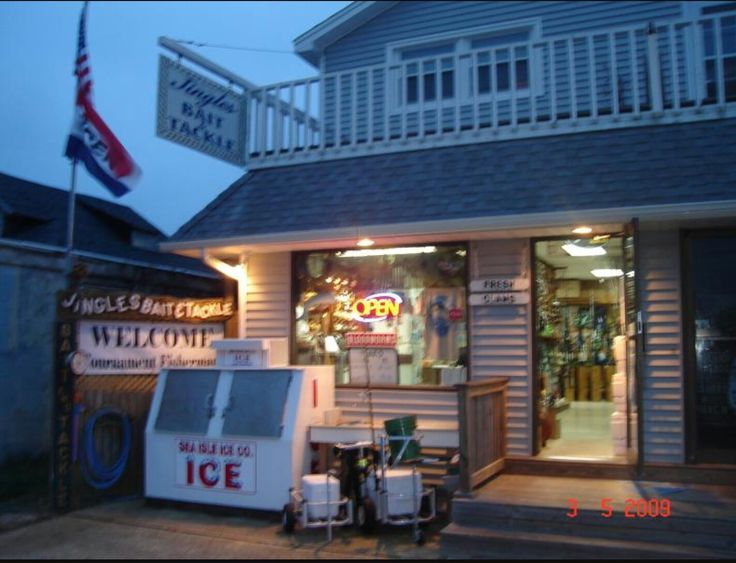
411, 299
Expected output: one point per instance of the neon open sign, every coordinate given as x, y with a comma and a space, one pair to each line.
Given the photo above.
377, 307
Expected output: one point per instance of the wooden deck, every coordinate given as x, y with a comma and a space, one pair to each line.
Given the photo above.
522, 516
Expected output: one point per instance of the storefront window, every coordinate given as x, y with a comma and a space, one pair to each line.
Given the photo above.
712, 320
393, 316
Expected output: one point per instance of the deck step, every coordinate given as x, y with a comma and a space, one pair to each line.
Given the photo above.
434, 464
670, 533
534, 510
478, 542
678, 529
442, 453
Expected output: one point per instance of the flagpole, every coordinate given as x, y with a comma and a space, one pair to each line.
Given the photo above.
70, 224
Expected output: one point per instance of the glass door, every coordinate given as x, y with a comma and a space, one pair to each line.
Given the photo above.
634, 338
710, 336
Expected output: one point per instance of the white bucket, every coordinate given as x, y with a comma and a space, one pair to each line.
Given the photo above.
618, 432
619, 348
314, 490
634, 435
398, 487
618, 386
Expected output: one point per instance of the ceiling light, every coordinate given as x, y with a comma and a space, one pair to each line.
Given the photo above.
387, 251
577, 250
607, 272
366, 242
582, 230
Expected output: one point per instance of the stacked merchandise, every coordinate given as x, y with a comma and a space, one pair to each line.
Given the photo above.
618, 418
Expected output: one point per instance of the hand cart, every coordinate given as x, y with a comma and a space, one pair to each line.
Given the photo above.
394, 504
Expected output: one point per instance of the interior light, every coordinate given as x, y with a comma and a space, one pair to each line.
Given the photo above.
607, 272
582, 230
577, 250
387, 251
366, 242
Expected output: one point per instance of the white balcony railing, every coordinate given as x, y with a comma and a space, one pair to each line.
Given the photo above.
597, 80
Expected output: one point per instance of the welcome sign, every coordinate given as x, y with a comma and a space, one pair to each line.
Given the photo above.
115, 347
200, 114
136, 333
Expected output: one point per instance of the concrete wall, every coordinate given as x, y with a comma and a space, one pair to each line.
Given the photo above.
27, 314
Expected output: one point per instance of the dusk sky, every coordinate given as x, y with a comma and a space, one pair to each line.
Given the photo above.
37, 51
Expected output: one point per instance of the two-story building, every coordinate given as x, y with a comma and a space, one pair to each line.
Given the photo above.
540, 191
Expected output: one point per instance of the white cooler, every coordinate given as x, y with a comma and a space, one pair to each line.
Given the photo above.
315, 489
398, 487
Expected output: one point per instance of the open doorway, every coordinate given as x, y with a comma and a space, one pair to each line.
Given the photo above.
579, 320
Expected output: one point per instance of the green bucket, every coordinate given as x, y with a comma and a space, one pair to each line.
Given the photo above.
403, 426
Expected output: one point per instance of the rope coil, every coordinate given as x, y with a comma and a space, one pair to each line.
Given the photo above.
94, 470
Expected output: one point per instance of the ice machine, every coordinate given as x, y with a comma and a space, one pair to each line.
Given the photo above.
234, 436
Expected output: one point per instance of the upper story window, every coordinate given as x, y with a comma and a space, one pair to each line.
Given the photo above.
718, 46
723, 36
480, 62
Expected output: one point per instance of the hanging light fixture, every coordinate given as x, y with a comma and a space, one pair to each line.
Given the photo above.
607, 272
582, 230
386, 251
583, 248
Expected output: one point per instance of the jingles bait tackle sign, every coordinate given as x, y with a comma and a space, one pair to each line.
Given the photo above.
199, 113
131, 333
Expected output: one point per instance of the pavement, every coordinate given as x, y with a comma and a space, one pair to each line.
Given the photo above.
137, 529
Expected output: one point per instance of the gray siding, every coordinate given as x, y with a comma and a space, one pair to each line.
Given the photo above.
433, 407
500, 337
269, 296
663, 363
366, 45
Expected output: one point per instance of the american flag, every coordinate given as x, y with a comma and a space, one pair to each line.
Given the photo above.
84, 78
91, 140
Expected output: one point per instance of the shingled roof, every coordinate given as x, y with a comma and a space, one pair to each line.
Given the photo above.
38, 214
683, 163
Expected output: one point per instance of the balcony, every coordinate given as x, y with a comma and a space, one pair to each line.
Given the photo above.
670, 72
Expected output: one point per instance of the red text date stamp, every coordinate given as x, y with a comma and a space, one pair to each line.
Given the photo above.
632, 508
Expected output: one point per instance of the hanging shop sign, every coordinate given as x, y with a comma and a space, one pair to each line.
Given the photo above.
370, 340
513, 298
377, 307
220, 465
120, 347
135, 306
499, 284
200, 114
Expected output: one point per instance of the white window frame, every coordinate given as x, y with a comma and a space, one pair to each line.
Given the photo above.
692, 10
462, 54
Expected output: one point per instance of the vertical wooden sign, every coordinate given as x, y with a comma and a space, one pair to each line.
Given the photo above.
62, 424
